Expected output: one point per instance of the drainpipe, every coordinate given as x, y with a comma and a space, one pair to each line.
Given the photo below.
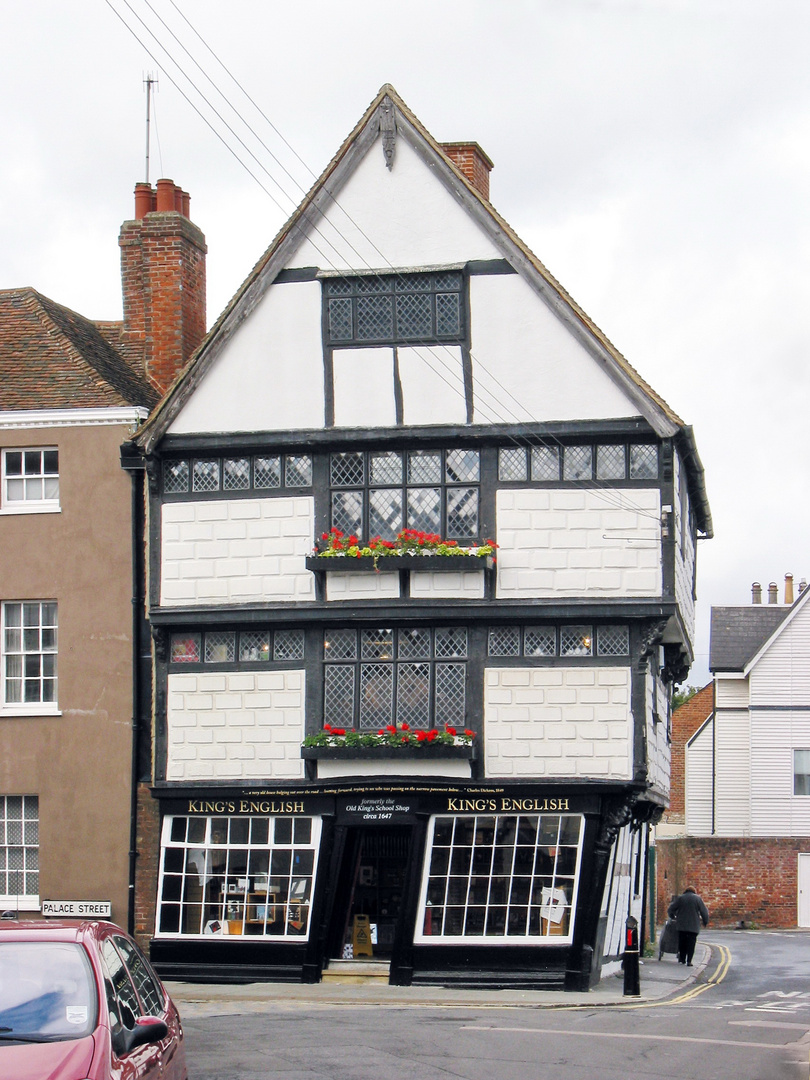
136, 515
714, 751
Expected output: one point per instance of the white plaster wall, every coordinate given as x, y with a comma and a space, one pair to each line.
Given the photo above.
405, 213
441, 586
658, 746
364, 388
432, 381
548, 722
527, 361
238, 725
269, 377
236, 551
421, 767
685, 555
362, 586
564, 542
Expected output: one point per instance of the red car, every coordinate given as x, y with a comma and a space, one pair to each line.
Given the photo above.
80, 1001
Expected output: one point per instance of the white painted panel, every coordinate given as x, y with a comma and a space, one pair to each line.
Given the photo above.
684, 558
403, 217
732, 772
270, 374
332, 770
527, 366
441, 586
236, 551
698, 783
658, 744
362, 586
235, 725
782, 675
574, 543
364, 388
775, 810
730, 693
432, 385
551, 722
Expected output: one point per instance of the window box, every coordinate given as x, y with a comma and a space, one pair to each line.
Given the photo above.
385, 753
443, 564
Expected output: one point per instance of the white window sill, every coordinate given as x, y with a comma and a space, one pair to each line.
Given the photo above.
19, 903
30, 508
30, 710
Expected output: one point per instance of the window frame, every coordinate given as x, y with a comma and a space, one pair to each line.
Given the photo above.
399, 689
50, 505
801, 776
28, 708
20, 901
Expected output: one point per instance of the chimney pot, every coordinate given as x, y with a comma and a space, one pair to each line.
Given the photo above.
788, 588
802, 585
165, 195
773, 593
756, 593
186, 209
144, 200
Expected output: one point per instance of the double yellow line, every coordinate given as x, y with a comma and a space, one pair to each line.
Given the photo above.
716, 977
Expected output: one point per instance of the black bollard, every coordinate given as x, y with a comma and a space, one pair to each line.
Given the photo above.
632, 986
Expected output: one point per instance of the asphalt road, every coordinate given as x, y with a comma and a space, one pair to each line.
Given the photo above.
746, 1018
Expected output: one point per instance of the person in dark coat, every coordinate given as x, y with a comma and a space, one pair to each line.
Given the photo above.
690, 911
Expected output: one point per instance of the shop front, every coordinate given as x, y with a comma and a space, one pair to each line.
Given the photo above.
467, 883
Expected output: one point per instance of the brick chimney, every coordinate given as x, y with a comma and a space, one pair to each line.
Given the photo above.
163, 279
469, 158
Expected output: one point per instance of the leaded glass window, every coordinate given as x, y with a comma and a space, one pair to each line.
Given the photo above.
576, 641
231, 647
610, 462
643, 462
392, 308
545, 463
377, 677
378, 494
613, 640
578, 463
211, 475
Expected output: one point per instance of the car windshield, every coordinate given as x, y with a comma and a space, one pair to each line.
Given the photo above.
47, 991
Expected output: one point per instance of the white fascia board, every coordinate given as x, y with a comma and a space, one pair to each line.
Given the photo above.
44, 418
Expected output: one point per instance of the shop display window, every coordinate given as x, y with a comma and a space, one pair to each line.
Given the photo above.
508, 878
237, 876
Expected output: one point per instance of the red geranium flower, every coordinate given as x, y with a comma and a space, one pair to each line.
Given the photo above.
451, 731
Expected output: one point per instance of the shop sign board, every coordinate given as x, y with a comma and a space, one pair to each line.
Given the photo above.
78, 909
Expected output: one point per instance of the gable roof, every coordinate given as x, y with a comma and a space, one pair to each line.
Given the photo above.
53, 358
738, 633
389, 115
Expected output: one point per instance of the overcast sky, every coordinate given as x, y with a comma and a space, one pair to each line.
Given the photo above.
653, 153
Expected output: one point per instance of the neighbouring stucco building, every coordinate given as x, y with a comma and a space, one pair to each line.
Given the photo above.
398, 359
743, 838
71, 579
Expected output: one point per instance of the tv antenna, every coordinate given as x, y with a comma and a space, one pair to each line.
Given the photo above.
149, 82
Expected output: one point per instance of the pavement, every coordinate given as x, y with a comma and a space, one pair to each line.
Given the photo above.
659, 979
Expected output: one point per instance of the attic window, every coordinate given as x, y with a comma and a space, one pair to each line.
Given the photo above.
415, 309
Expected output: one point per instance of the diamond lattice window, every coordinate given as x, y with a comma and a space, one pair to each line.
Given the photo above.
504, 641
539, 641
236, 474
643, 462
512, 463
613, 640
220, 647
408, 308
175, 476
610, 462
267, 472
19, 847
545, 463
205, 475
377, 677
576, 641
578, 463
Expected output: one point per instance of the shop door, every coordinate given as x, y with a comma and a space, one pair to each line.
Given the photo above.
371, 884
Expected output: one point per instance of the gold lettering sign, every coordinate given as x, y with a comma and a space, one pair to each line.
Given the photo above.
507, 805
268, 807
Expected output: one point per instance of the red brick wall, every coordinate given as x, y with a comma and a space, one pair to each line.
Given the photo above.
146, 866
748, 879
163, 281
685, 722
470, 159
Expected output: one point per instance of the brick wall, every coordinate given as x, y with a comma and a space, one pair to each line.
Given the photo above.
147, 844
750, 880
561, 543
163, 281
685, 722
558, 722
470, 159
